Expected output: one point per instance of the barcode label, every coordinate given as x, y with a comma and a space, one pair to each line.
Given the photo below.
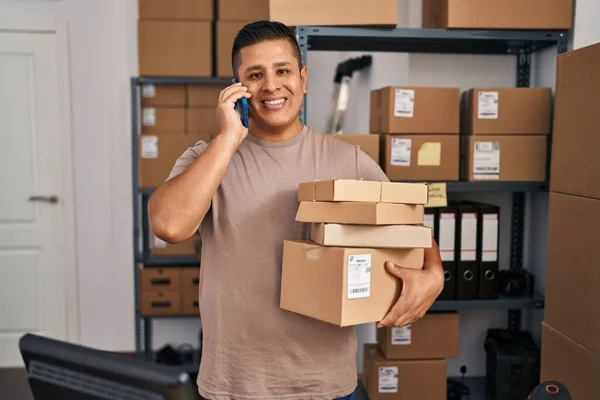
149, 146
401, 336
149, 116
401, 149
148, 90
359, 276
388, 380
487, 105
404, 103
486, 160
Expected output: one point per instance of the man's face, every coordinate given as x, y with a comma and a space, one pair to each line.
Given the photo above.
270, 71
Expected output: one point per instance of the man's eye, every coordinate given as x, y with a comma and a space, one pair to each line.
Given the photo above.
283, 71
255, 75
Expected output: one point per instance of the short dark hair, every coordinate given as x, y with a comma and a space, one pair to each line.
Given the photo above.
259, 31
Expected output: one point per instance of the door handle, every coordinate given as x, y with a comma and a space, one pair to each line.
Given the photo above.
46, 199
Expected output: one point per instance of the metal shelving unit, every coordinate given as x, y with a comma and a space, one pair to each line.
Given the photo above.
518, 44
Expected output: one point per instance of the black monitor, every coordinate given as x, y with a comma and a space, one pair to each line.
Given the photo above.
61, 370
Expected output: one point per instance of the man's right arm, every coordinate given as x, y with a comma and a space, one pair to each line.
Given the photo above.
178, 206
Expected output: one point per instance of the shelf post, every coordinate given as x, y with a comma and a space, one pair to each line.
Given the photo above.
302, 38
136, 216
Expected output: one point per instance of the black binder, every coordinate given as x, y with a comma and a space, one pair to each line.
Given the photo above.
446, 230
488, 233
431, 221
467, 281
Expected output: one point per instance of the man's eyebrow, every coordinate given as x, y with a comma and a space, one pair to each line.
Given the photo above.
275, 64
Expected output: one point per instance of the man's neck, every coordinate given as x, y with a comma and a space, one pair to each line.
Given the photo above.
271, 135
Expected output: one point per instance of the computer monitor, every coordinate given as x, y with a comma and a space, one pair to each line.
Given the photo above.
61, 370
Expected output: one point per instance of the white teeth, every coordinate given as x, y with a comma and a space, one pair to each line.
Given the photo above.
274, 102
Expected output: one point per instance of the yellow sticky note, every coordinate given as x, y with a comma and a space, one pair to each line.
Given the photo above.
430, 154
437, 195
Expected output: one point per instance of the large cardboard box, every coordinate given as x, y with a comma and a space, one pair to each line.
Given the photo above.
163, 95
197, 10
403, 379
568, 362
205, 95
573, 272
507, 111
384, 236
367, 143
352, 190
226, 32
342, 286
160, 279
242, 10
505, 14
160, 248
413, 110
576, 137
175, 48
202, 121
504, 158
435, 336
360, 213
421, 157
162, 120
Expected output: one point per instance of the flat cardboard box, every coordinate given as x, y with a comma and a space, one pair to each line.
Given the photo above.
162, 120
160, 248
507, 111
421, 157
383, 236
403, 379
342, 286
160, 303
328, 13
350, 190
360, 213
163, 95
190, 303
204, 95
576, 137
435, 336
195, 10
226, 32
367, 143
572, 270
158, 279
202, 121
505, 14
415, 110
158, 153
505, 158
175, 48
190, 280
568, 362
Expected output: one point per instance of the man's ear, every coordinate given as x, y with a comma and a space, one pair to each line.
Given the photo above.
304, 77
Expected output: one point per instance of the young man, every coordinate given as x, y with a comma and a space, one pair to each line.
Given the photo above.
240, 190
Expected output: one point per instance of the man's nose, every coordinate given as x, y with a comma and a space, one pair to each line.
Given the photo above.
270, 82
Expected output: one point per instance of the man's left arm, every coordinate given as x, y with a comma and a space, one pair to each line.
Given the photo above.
420, 288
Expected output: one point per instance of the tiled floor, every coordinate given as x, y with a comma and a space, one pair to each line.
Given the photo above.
14, 385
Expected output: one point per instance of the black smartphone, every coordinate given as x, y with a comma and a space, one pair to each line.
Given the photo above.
242, 108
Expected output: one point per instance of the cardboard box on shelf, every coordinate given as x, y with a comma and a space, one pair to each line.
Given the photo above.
415, 110
190, 303
175, 48
572, 278
160, 248
350, 190
421, 157
566, 361
403, 379
157, 279
384, 236
190, 280
243, 10
504, 158
204, 95
507, 111
162, 120
360, 213
575, 140
202, 121
342, 286
196, 10
226, 32
435, 336
163, 95
367, 143
505, 14
160, 303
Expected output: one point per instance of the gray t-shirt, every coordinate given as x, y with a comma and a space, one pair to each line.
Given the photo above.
252, 348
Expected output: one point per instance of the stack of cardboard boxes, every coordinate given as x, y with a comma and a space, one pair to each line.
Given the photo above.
571, 328
410, 362
339, 274
169, 291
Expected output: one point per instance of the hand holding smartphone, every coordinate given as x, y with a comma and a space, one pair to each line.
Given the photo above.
241, 107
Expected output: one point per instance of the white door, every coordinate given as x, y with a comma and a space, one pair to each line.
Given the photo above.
32, 244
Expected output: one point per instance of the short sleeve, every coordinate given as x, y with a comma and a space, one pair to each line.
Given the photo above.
187, 158
368, 169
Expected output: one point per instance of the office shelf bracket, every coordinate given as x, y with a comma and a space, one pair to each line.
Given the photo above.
302, 38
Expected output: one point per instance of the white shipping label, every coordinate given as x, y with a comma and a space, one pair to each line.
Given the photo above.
401, 336
447, 230
468, 237
404, 103
428, 220
148, 90
490, 238
487, 105
149, 116
388, 379
149, 146
401, 149
359, 276
159, 243
486, 160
